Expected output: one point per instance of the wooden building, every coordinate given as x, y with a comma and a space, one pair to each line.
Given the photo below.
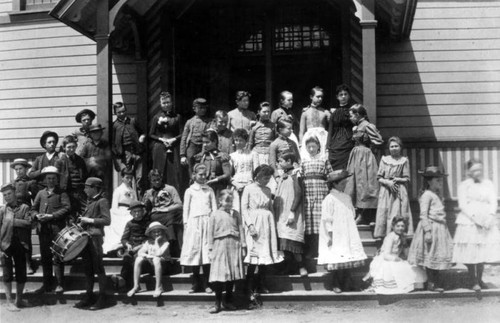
427, 70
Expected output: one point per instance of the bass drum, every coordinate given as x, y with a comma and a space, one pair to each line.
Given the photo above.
70, 242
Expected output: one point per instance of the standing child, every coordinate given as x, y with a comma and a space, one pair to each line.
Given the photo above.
288, 211
227, 247
282, 144
241, 117
242, 162
363, 186
199, 202
340, 247
262, 135
314, 122
314, 172
191, 140
432, 245
225, 135
391, 273
257, 213
394, 176
155, 254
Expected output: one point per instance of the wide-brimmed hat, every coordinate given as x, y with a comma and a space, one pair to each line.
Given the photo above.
96, 127
432, 171
338, 175
20, 161
80, 114
46, 134
155, 225
49, 170
136, 204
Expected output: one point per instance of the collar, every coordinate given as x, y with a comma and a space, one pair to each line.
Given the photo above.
125, 120
49, 156
96, 197
284, 138
198, 187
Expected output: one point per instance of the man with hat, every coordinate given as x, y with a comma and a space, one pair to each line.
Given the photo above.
93, 220
97, 154
26, 190
50, 210
73, 175
48, 141
15, 236
85, 118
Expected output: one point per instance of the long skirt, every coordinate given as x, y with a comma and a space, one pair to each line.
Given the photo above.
389, 206
363, 185
113, 232
436, 255
474, 244
227, 261
395, 277
195, 246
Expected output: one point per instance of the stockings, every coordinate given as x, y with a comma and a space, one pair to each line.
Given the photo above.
475, 274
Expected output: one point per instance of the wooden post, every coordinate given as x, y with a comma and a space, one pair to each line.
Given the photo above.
368, 25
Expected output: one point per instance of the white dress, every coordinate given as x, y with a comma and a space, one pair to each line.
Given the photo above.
394, 277
337, 217
477, 238
199, 202
120, 215
242, 162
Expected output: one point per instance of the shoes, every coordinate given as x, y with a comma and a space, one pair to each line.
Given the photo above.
303, 272
11, 307
59, 289
118, 282
483, 285
431, 287
42, 290
157, 292
228, 306
216, 309
336, 290
86, 302
22, 304
208, 290
31, 271
100, 304
476, 288
133, 291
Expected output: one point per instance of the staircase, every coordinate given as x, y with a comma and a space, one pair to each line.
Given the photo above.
284, 288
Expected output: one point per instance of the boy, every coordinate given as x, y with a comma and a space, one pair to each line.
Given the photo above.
191, 142
48, 141
225, 135
50, 209
133, 237
97, 154
85, 118
15, 235
73, 175
93, 220
165, 206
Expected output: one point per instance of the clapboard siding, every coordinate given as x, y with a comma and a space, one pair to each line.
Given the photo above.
443, 83
47, 74
5, 6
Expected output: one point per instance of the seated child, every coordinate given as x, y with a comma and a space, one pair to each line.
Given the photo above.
154, 254
133, 237
390, 272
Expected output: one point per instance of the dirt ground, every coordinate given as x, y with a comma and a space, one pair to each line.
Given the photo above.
422, 310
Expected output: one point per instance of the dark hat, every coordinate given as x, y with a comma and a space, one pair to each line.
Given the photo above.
20, 161
96, 127
46, 134
432, 171
155, 225
136, 204
7, 187
80, 114
93, 181
49, 170
338, 175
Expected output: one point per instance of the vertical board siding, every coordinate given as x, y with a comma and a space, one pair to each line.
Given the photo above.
47, 75
154, 65
443, 83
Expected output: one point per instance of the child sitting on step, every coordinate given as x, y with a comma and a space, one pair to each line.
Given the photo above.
155, 255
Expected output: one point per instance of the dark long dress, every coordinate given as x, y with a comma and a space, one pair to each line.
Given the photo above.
339, 141
167, 160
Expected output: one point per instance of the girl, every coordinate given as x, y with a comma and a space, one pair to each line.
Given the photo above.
314, 171
217, 164
166, 130
340, 143
120, 214
477, 239
363, 185
340, 246
242, 162
199, 201
257, 213
155, 253
241, 117
394, 176
282, 144
432, 245
390, 272
227, 247
262, 135
314, 122
288, 210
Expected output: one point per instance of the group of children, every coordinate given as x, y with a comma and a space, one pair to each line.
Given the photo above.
257, 198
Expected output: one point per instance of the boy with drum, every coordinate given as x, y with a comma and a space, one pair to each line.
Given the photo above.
15, 235
93, 220
49, 210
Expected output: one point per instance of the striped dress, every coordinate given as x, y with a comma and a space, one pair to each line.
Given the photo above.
314, 173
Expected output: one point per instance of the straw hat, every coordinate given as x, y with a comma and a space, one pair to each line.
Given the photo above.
155, 225
50, 170
20, 161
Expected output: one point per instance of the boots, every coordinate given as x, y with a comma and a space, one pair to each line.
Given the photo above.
473, 277
228, 302
479, 271
433, 281
218, 299
59, 273
195, 278
261, 281
206, 275
101, 300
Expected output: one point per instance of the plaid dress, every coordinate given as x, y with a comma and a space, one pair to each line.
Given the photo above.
314, 172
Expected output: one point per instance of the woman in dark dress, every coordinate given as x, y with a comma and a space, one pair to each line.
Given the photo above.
340, 143
166, 130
